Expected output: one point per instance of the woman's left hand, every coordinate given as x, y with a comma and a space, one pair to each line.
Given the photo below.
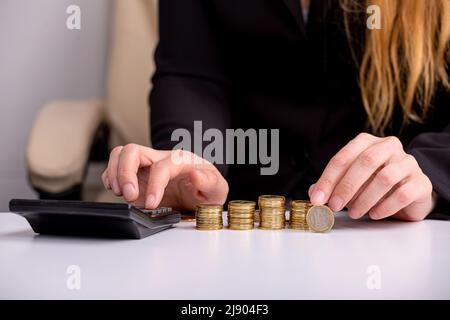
374, 175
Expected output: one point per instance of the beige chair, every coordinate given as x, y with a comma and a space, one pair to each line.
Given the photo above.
67, 135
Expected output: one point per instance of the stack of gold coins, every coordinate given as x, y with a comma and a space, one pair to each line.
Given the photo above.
209, 217
241, 215
299, 209
320, 218
272, 212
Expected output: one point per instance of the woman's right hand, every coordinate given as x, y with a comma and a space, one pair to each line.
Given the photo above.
151, 178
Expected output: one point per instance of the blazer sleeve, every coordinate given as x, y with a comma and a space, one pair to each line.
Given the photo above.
190, 83
432, 152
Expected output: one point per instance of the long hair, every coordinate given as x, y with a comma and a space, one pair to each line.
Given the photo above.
405, 61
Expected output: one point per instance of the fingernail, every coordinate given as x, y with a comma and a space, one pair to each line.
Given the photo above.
354, 213
336, 203
115, 187
150, 203
129, 191
374, 216
318, 197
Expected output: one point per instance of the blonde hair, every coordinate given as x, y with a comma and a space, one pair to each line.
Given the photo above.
404, 61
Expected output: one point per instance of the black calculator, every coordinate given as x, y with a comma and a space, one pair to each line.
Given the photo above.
93, 219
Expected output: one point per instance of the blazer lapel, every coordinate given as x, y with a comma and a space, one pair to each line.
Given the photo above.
294, 8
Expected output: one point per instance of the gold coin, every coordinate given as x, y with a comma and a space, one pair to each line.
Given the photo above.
301, 227
232, 220
272, 223
215, 223
207, 211
298, 212
298, 218
239, 215
298, 223
300, 204
208, 214
241, 204
203, 219
271, 201
271, 228
212, 223
271, 210
246, 227
188, 217
211, 215
268, 197
241, 210
266, 222
209, 206
320, 218
278, 217
272, 216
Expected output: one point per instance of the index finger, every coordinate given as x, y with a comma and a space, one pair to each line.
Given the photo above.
338, 166
133, 157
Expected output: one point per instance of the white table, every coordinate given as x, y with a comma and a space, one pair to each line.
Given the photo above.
357, 259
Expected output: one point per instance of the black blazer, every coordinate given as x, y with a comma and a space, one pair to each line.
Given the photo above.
256, 64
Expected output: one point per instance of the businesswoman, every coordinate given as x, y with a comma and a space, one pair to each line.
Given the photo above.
363, 113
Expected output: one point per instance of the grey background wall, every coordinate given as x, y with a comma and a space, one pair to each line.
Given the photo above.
41, 60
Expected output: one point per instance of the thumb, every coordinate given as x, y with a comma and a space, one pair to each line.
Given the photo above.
311, 189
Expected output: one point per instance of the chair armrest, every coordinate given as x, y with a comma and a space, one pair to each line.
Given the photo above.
59, 144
